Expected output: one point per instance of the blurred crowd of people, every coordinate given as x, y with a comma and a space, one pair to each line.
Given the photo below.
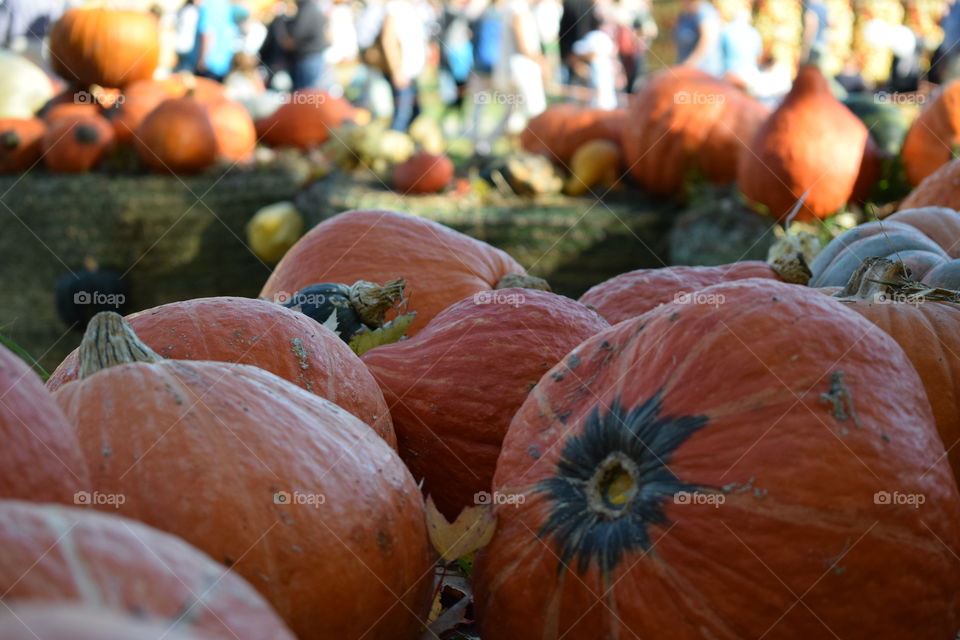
512, 53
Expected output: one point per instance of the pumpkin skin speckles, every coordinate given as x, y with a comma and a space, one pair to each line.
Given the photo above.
769, 523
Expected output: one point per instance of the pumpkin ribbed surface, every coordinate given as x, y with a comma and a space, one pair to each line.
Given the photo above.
732, 471
264, 335
40, 459
453, 388
634, 293
63, 555
440, 265
286, 488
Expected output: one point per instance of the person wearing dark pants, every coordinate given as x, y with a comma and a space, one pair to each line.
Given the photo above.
404, 39
304, 36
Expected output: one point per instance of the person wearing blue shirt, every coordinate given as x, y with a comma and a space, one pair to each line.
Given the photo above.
742, 47
218, 29
697, 36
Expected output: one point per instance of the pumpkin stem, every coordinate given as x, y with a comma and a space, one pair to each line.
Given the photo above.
523, 281
372, 302
109, 341
613, 485
884, 280
791, 255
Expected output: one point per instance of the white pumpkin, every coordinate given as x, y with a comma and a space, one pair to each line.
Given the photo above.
24, 87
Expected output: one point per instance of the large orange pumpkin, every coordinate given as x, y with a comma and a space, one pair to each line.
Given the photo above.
305, 120
811, 143
105, 47
62, 555
139, 99
939, 189
685, 121
565, 127
234, 130
634, 293
77, 144
70, 622
744, 470
177, 136
453, 388
21, 143
423, 173
262, 334
928, 330
923, 239
933, 136
40, 459
440, 265
286, 488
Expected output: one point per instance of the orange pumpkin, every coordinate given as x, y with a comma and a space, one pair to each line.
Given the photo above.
686, 121
693, 472
933, 136
40, 458
939, 189
565, 127
492, 348
262, 334
634, 293
177, 137
928, 330
440, 265
289, 490
204, 90
305, 120
423, 173
77, 144
105, 47
21, 143
234, 130
139, 99
60, 555
811, 143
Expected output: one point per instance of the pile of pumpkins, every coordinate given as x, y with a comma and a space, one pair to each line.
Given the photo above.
686, 124
685, 452
182, 123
